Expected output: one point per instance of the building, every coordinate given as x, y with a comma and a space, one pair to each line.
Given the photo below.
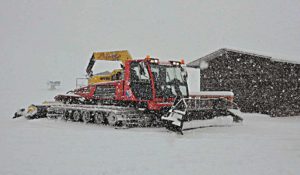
260, 83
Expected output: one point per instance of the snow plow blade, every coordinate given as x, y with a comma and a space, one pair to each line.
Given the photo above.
193, 110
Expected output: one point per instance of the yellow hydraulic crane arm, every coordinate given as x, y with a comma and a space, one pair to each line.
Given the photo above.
122, 56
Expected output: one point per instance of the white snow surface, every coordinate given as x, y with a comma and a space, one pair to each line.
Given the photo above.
260, 145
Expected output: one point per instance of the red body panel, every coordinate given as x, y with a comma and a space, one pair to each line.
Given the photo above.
123, 92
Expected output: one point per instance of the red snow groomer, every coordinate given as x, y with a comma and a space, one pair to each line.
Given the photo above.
144, 92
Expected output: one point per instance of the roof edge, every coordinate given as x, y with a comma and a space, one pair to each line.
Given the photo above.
213, 55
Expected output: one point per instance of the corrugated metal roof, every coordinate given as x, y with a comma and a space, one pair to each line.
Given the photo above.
217, 53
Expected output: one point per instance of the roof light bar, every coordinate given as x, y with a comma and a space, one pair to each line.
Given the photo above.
175, 63
152, 60
155, 61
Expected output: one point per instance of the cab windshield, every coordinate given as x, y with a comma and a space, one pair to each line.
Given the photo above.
169, 81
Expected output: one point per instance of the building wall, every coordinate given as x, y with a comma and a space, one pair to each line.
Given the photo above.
259, 84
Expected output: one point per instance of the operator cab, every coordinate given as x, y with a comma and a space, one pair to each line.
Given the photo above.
169, 79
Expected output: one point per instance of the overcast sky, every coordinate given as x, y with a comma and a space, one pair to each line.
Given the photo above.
44, 40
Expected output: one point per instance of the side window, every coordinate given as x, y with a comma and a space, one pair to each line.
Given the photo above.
138, 71
144, 74
134, 71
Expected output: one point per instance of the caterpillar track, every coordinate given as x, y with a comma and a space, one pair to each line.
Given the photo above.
102, 114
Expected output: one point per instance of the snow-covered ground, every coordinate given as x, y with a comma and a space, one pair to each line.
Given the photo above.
261, 145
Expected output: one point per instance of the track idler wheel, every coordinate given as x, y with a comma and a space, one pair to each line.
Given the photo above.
99, 118
76, 116
86, 116
66, 115
111, 119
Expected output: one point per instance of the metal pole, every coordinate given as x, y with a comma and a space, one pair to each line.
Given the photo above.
199, 78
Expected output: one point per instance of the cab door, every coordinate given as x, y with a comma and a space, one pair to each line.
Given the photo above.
140, 83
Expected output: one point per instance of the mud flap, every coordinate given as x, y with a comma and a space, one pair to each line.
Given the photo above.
188, 113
